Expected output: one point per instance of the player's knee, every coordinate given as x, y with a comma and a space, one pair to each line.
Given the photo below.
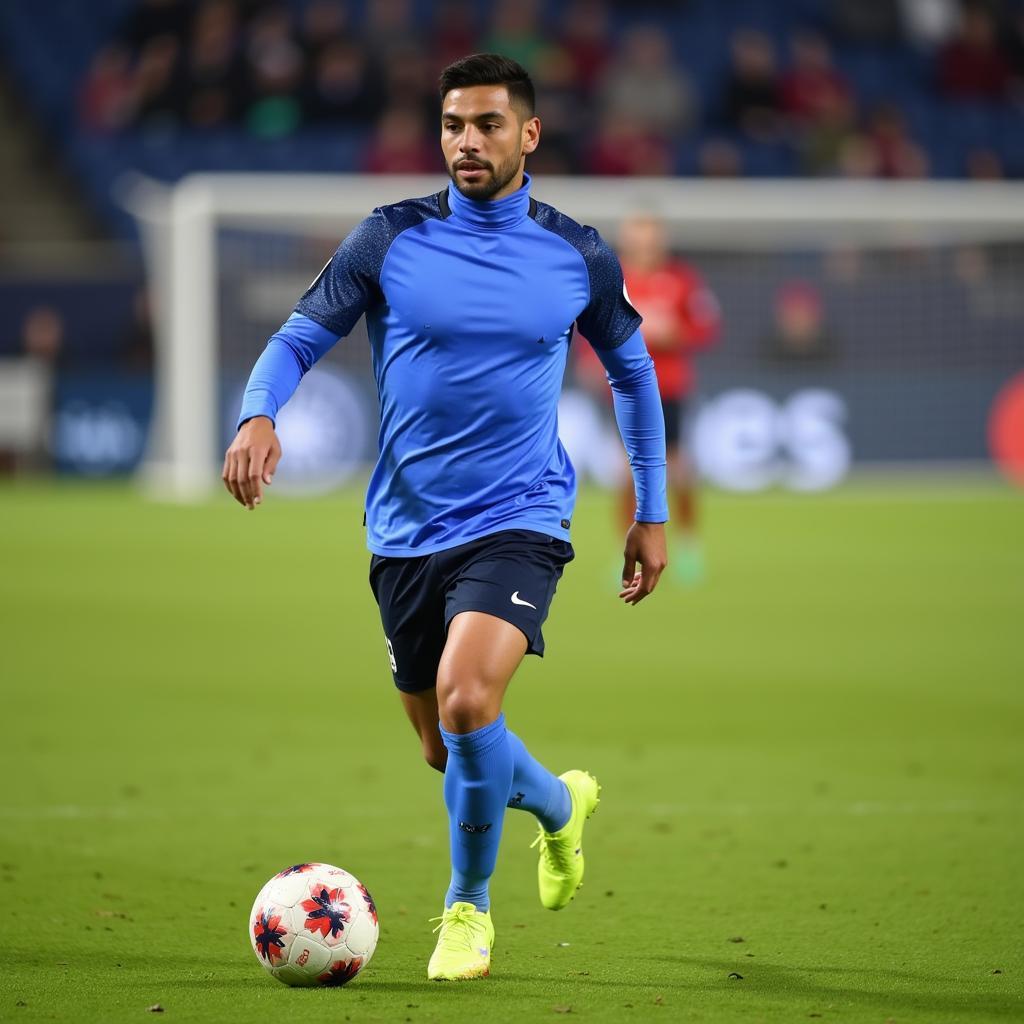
465, 708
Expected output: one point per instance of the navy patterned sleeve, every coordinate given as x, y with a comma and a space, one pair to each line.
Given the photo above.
350, 283
609, 320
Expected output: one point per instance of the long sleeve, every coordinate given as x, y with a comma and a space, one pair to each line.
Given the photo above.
288, 356
638, 413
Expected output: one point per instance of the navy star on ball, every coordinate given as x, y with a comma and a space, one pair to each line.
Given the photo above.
326, 911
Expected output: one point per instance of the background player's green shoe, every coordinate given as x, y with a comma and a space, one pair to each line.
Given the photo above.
464, 946
560, 871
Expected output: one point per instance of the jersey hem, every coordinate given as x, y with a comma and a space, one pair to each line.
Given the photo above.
391, 551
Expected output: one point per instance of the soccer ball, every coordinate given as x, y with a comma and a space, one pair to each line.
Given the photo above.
313, 924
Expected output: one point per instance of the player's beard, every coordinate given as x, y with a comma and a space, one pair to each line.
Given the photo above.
499, 177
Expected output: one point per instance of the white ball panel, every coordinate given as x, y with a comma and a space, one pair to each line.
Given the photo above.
296, 977
309, 955
361, 937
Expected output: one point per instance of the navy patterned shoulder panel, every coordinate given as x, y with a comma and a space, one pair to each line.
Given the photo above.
350, 282
609, 319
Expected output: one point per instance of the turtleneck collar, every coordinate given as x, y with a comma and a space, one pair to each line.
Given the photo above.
493, 214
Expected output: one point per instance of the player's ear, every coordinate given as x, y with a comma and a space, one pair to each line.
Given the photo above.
531, 134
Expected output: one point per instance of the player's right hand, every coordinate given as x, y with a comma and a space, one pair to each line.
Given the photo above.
250, 461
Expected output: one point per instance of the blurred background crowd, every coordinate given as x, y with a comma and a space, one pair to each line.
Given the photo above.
861, 88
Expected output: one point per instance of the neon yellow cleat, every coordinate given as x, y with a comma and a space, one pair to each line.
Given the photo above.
464, 946
560, 871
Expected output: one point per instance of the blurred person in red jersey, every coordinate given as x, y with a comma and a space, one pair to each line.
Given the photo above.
586, 37
813, 88
621, 147
681, 317
799, 332
454, 30
106, 100
898, 155
973, 66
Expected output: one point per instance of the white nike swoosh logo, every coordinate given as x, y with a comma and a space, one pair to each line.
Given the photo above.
516, 599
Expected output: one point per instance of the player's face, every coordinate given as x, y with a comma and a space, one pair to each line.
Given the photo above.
485, 141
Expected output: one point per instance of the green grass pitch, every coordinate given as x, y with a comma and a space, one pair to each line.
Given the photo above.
813, 766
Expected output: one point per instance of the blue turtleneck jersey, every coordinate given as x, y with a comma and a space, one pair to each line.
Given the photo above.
470, 307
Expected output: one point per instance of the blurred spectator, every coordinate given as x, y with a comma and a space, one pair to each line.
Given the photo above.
324, 23
516, 32
390, 27
751, 103
159, 96
620, 146
644, 85
824, 140
42, 334
400, 145
343, 89
897, 155
984, 164
972, 66
884, 151
26, 391
106, 102
410, 81
586, 31
454, 31
275, 70
719, 158
559, 103
813, 88
799, 333
213, 70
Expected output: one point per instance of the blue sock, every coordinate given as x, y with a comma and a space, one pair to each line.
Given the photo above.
536, 790
476, 787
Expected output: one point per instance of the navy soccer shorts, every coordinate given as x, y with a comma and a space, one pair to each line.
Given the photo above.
512, 575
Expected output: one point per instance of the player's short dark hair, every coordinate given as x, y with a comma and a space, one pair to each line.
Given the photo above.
491, 69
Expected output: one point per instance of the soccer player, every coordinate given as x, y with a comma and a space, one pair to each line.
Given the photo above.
681, 317
471, 296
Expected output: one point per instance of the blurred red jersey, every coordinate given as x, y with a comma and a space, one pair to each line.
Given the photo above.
681, 316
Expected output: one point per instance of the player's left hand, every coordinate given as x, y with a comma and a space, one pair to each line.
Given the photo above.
645, 545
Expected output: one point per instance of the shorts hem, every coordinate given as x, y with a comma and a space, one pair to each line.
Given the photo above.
407, 687
473, 606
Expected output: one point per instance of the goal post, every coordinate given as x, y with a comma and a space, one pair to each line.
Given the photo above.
213, 237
